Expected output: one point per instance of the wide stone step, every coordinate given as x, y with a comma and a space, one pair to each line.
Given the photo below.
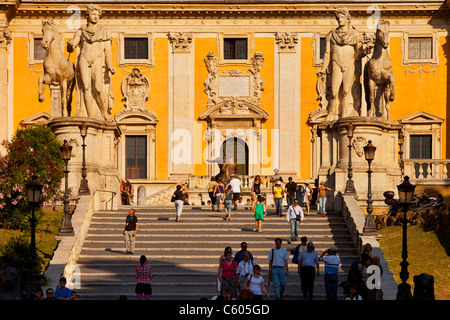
185, 256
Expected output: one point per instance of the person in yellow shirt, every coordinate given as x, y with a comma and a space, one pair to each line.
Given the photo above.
278, 194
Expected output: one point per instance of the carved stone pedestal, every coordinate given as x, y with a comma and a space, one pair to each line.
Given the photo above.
386, 173
101, 154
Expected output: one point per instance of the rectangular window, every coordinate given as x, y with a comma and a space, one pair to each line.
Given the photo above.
136, 48
136, 157
420, 148
39, 52
420, 48
323, 44
235, 48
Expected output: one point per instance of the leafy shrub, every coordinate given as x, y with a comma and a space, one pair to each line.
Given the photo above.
16, 253
32, 151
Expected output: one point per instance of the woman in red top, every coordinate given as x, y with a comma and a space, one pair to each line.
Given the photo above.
143, 276
227, 274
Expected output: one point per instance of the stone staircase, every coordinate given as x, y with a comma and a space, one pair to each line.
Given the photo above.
185, 256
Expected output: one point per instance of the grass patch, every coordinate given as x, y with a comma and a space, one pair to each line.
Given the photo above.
46, 231
425, 255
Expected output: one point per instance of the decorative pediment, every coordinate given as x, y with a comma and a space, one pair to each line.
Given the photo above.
40, 118
136, 116
317, 116
234, 109
421, 117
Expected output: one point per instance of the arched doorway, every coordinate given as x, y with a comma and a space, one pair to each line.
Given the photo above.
237, 149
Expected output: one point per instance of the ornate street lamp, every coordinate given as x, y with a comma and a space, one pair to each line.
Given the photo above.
84, 186
66, 226
370, 228
405, 194
34, 191
350, 187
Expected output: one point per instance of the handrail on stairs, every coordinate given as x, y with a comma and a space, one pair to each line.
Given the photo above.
113, 194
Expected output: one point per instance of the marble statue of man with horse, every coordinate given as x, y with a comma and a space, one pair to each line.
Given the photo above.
339, 77
91, 73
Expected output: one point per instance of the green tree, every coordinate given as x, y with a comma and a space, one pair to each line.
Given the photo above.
32, 151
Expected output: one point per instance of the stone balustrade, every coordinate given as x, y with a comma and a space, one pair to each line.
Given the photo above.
427, 170
355, 219
201, 182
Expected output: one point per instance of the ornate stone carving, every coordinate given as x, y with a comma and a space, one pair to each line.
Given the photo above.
5, 37
211, 81
181, 42
287, 42
358, 144
135, 89
258, 81
233, 106
221, 86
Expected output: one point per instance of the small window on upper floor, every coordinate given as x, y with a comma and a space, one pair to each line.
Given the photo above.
235, 48
420, 48
322, 47
36, 53
319, 46
136, 48
39, 52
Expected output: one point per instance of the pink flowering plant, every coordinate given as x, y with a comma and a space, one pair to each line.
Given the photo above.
32, 151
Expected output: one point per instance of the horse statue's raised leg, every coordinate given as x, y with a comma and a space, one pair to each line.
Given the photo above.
43, 81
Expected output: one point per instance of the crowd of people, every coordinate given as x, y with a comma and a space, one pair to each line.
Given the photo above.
62, 292
239, 276
228, 197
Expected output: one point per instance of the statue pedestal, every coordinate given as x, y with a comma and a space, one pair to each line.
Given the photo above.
100, 154
386, 173
55, 94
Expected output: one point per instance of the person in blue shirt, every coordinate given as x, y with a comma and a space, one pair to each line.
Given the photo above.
332, 263
308, 267
240, 254
63, 293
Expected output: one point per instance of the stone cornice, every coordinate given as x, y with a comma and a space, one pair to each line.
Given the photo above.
231, 9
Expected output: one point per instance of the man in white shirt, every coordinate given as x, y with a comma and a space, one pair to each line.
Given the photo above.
236, 184
278, 268
293, 216
244, 269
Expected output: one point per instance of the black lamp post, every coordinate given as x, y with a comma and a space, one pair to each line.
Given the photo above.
66, 226
370, 228
401, 141
84, 186
34, 191
405, 194
350, 187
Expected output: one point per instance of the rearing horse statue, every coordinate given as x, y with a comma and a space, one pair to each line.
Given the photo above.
378, 72
57, 69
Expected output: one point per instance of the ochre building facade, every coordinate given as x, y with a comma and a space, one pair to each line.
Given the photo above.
193, 75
